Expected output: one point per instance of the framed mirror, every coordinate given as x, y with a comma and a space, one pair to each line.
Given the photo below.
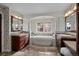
70, 23
16, 24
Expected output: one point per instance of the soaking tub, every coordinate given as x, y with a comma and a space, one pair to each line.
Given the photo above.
43, 40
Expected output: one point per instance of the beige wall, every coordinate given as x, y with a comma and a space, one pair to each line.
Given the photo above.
25, 23
60, 24
6, 45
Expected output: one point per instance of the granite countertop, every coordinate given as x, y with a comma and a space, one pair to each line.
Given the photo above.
65, 36
67, 33
19, 34
69, 36
71, 44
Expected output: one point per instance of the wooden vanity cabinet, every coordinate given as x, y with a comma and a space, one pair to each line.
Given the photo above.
19, 42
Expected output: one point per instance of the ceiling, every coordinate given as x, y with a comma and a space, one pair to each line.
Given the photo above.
32, 9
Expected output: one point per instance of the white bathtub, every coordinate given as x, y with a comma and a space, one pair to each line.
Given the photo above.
42, 37
43, 40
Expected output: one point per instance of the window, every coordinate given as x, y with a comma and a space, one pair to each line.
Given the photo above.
43, 27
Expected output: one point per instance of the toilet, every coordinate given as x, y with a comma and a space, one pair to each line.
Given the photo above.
65, 51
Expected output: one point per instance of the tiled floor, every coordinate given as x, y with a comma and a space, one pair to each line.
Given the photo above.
37, 51
7, 53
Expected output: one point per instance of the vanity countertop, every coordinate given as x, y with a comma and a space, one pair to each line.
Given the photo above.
19, 34
71, 44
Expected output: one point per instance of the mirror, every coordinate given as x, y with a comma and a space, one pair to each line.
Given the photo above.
16, 24
71, 22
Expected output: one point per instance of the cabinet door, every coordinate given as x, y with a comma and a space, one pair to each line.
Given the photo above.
15, 43
22, 42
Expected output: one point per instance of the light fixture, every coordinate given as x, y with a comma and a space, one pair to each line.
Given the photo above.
20, 17
17, 17
75, 7
71, 11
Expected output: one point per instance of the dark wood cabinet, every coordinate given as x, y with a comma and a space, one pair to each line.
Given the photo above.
19, 42
64, 37
77, 19
0, 32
